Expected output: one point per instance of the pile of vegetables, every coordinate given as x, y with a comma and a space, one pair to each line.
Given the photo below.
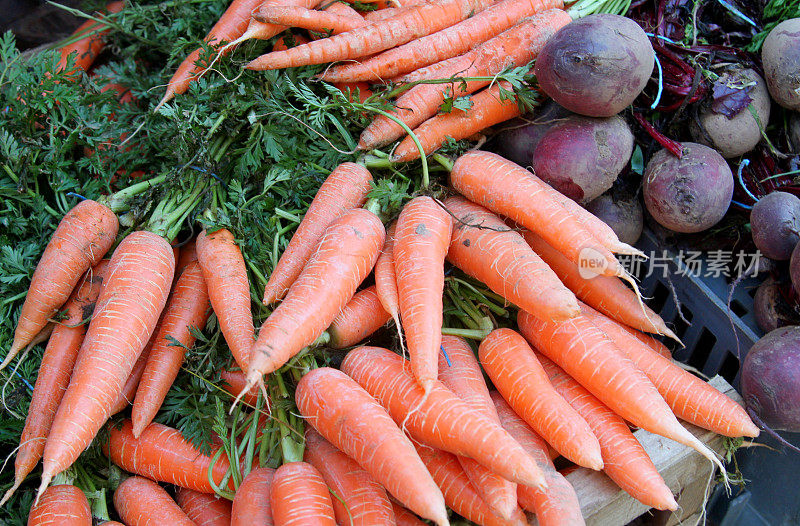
220, 347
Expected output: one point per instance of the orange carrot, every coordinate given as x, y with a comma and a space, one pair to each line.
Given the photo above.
403, 517
372, 38
345, 188
90, 44
358, 499
438, 418
80, 241
625, 461
655, 345
386, 280
488, 250
142, 502
295, 16
61, 505
300, 497
225, 274
350, 419
420, 245
251, 503
461, 373
518, 375
556, 506
234, 382
133, 296
359, 319
327, 283
186, 309
128, 393
342, 9
296, 40
261, 31
186, 255
204, 509
161, 453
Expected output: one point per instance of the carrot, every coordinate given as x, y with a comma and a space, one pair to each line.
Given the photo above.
461, 373
607, 294
80, 241
438, 418
251, 503
295, 16
589, 356
54, 373
142, 502
234, 382
403, 517
515, 46
345, 188
342, 9
420, 245
296, 40
372, 38
88, 41
161, 453
518, 375
111, 523
204, 509
299, 496
326, 284
225, 274
186, 309
353, 422
655, 345
357, 497
556, 506
359, 319
386, 280
61, 505
488, 250
689, 397
128, 393
128, 309
261, 31
450, 42
625, 461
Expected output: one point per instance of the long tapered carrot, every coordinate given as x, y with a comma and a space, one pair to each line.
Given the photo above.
438, 418
372, 38
420, 245
88, 42
460, 372
128, 393
403, 517
251, 502
518, 375
592, 358
225, 274
133, 296
299, 497
326, 284
341, 8
690, 398
204, 509
350, 419
295, 16
386, 281
515, 46
358, 499
625, 461
607, 294
187, 310
161, 453
61, 505
142, 502
345, 188
485, 248
80, 241
557, 505
360, 318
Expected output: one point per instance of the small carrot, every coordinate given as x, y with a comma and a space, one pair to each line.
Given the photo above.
88, 40
234, 382
204, 509
261, 31
300, 497
251, 502
386, 280
142, 502
282, 43
403, 517
61, 505
128, 393
350, 419
359, 319
295, 16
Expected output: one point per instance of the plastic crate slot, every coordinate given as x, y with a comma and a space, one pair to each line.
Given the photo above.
659, 296
702, 349
679, 325
729, 367
738, 308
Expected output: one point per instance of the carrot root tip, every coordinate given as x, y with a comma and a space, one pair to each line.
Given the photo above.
10, 492
46, 478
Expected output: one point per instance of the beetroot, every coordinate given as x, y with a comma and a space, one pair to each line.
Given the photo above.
519, 138
770, 308
625, 217
775, 224
794, 268
781, 61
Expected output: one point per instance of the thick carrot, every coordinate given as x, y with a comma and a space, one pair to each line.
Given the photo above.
592, 358
690, 398
350, 419
345, 188
438, 418
61, 505
625, 461
486, 249
187, 310
372, 38
186, 255
359, 319
460, 372
133, 296
420, 245
557, 505
299, 497
403, 517
251, 503
142, 502
89, 41
357, 498
225, 274
295, 16
204, 509
128, 393
449, 42
327, 283
161, 453
234, 382
518, 375
386, 280
80, 241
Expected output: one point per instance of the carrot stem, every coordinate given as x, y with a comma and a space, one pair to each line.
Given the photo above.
473, 334
118, 202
